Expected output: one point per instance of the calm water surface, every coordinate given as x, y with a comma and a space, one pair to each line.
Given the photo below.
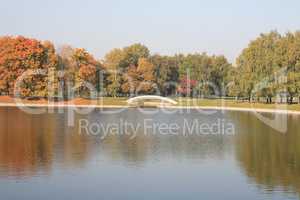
43, 158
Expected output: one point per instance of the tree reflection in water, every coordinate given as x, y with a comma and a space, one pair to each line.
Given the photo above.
269, 158
30, 144
33, 144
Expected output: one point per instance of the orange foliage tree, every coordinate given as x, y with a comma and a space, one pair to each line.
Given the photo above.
89, 72
139, 79
20, 54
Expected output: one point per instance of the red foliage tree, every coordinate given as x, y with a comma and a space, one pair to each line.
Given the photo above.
186, 87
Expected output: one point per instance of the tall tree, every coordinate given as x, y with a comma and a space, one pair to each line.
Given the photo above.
257, 65
89, 72
270, 66
132, 54
208, 72
20, 54
139, 79
166, 72
146, 71
112, 62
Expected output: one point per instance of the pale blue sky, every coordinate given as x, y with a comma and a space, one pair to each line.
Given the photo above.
165, 26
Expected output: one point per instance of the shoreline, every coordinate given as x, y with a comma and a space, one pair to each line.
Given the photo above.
228, 108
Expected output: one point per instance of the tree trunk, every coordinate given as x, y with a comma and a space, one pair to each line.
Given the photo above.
269, 100
291, 100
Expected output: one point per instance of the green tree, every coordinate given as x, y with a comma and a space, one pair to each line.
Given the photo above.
112, 62
166, 72
257, 62
132, 54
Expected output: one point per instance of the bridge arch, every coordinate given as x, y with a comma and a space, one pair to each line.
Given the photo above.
141, 99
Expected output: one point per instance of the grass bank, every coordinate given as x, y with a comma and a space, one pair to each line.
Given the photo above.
182, 102
234, 104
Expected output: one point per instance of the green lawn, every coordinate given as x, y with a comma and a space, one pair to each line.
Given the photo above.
209, 103
113, 101
186, 102
233, 103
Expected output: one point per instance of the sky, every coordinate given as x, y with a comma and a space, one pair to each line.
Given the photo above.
164, 26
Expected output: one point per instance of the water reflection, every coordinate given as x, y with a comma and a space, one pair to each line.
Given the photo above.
26, 143
34, 143
271, 159
41, 145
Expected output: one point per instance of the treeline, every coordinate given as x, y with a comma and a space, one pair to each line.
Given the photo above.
269, 67
35, 69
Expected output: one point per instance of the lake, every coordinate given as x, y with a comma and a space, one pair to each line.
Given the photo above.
157, 155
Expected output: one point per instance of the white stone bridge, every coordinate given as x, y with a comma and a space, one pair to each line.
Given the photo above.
151, 101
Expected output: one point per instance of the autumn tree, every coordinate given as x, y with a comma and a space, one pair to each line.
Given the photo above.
268, 67
89, 72
186, 86
130, 81
122, 65
146, 77
132, 54
20, 54
139, 79
68, 68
